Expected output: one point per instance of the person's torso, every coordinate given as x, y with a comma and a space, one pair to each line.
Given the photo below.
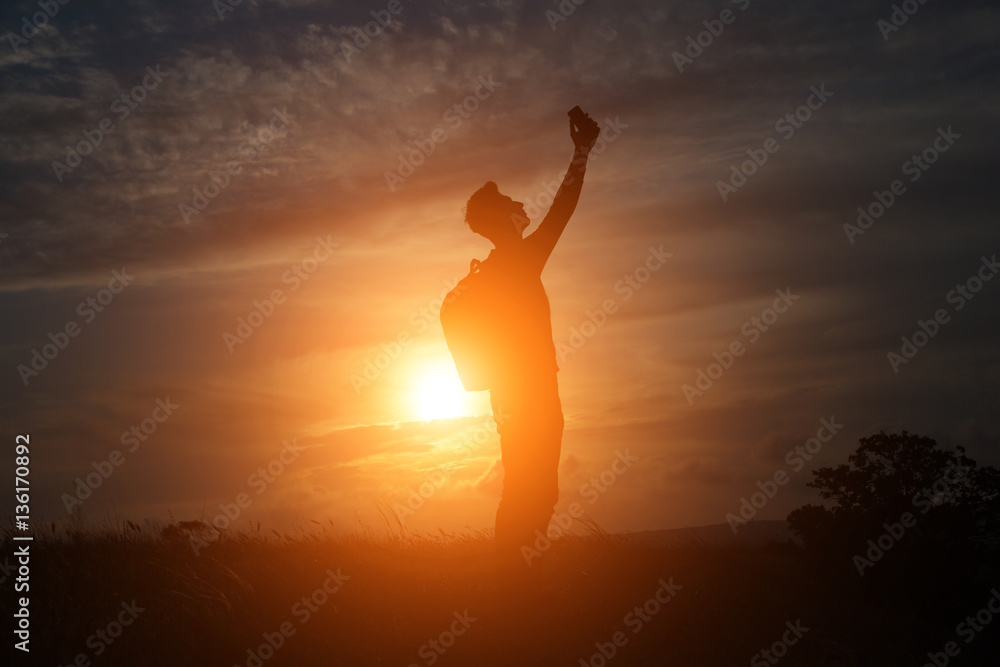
523, 316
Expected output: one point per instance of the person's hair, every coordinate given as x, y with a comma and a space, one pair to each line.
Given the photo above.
478, 203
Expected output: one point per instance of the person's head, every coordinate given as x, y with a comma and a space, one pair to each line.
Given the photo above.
495, 215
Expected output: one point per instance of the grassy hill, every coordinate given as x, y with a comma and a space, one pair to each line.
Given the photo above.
256, 600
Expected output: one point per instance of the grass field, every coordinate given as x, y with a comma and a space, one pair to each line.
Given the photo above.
386, 599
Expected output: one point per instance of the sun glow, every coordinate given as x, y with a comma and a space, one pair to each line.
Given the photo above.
439, 394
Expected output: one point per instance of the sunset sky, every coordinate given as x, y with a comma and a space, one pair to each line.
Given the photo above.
268, 150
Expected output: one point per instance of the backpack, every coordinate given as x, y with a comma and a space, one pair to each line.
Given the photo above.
469, 319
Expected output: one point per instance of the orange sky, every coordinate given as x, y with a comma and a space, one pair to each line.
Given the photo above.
360, 257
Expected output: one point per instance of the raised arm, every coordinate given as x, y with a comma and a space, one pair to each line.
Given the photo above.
544, 239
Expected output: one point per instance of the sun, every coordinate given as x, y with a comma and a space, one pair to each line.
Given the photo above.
438, 393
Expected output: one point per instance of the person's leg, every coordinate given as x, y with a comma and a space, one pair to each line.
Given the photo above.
544, 483
548, 447
530, 442
512, 516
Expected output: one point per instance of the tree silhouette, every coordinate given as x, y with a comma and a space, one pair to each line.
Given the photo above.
906, 521
890, 474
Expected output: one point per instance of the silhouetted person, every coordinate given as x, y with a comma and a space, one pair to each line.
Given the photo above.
523, 390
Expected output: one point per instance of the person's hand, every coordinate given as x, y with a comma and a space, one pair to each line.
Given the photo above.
584, 136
